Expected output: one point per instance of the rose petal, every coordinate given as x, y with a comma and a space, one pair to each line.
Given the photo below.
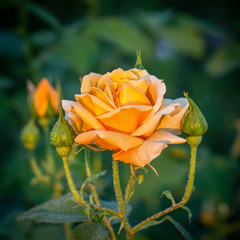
41, 97
173, 122
67, 105
130, 95
142, 84
93, 104
114, 139
89, 81
155, 94
151, 124
139, 72
75, 121
102, 95
86, 116
166, 137
125, 119
142, 155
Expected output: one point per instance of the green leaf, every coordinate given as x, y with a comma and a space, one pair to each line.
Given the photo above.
168, 194
59, 210
90, 231
189, 212
92, 179
185, 40
179, 227
80, 51
45, 15
120, 33
224, 60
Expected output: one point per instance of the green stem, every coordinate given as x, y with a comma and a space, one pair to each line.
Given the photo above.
94, 192
75, 193
130, 185
71, 185
50, 161
119, 197
186, 195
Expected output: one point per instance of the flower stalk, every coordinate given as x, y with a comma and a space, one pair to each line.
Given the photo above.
193, 141
94, 192
119, 197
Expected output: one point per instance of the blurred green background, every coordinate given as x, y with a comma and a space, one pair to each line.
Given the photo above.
194, 46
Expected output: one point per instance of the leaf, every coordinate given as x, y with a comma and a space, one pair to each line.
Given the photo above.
185, 40
45, 15
92, 179
80, 51
168, 194
179, 227
121, 34
89, 231
59, 210
224, 60
189, 212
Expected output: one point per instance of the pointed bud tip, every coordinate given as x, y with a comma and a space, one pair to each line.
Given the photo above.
138, 64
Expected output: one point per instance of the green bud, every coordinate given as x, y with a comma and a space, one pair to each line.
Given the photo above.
30, 135
138, 64
96, 216
62, 135
193, 123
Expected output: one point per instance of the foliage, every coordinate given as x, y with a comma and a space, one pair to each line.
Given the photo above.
194, 50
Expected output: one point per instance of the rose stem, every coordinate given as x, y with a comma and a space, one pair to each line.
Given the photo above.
186, 195
120, 201
93, 190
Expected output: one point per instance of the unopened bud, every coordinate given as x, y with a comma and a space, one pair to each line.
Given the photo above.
138, 63
30, 135
62, 135
96, 215
193, 123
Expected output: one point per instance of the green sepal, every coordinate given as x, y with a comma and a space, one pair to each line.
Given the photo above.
169, 195
138, 63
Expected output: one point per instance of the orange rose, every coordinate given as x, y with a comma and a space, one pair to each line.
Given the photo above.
44, 95
124, 111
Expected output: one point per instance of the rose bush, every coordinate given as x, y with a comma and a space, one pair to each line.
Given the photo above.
125, 111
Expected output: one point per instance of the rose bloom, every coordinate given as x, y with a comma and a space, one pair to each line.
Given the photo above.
44, 95
124, 111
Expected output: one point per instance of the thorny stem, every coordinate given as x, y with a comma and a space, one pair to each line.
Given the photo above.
119, 197
130, 185
186, 195
71, 184
94, 192
50, 161
75, 193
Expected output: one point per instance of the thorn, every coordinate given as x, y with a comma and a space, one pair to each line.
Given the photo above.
120, 229
132, 169
153, 169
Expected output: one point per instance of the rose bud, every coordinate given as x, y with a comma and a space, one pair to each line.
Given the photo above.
30, 135
194, 123
62, 135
